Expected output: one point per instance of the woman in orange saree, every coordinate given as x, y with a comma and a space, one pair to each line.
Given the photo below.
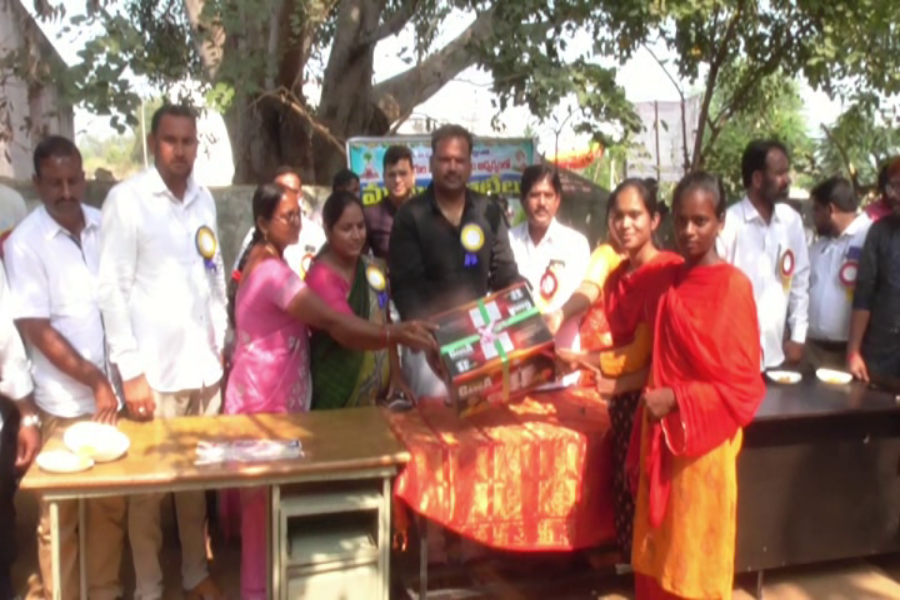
705, 387
616, 345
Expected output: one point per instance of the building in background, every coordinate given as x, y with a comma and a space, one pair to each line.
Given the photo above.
31, 105
659, 149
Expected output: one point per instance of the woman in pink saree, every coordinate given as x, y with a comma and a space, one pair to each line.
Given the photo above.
270, 374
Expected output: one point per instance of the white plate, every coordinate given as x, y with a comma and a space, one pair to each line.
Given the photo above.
61, 461
834, 377
102, 443
784, 377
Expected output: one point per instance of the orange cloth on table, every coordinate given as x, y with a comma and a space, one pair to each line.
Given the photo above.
527, 476
706, 349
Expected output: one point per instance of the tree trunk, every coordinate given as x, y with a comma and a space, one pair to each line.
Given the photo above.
266, 135
346, 106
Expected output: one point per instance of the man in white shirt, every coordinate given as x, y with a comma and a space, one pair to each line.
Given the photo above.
764, 238
552, 257
52, 259
20, 436
162, 295
834, 262
312, 237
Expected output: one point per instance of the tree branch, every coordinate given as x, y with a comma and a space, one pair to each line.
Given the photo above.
273, 46
665, 70
714, 67
848, 164
391, 26
208, 37
742, 95
286, 98
400, 94
687, 158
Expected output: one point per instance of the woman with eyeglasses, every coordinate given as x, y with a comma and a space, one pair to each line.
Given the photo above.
273, 310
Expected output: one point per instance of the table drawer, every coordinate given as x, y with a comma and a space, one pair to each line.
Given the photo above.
343, 538
361, 582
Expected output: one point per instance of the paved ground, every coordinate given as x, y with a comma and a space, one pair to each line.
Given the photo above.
534, 578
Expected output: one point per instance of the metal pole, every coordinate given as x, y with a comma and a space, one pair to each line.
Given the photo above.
687, 161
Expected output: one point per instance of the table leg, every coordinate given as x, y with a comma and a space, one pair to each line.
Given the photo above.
55, 567
270, 562
82, 550
423, 558
274, 545
384, 538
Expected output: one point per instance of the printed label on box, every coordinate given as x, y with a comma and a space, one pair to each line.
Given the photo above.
493, 314
490, 349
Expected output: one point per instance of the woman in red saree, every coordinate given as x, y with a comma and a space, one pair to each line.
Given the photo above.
617, 356
705, 387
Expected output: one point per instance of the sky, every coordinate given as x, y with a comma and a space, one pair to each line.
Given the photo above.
642, 78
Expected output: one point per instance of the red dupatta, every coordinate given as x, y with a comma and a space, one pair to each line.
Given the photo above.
630, 298
706, 348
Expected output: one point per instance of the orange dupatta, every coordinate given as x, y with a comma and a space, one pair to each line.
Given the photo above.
706, 348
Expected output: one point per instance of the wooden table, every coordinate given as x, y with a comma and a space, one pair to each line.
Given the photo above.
352, 444
818, 476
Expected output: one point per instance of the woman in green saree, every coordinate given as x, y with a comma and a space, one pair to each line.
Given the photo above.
351, 283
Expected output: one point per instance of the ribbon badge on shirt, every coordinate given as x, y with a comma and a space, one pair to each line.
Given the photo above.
305, 264
550, 281
788, 263
848, 274
472, 239
378, 282
206, 246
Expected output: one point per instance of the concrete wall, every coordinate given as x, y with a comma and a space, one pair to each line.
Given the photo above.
30, 110
233, 204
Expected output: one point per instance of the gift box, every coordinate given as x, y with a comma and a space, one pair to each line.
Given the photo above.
494, 349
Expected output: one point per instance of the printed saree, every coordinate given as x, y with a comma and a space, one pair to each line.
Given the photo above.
343, 377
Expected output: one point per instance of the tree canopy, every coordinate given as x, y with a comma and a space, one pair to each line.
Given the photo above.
295, 78
258, 59
776, 112
855, 147
733, 47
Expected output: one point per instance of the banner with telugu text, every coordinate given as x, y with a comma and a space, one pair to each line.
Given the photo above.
497, 163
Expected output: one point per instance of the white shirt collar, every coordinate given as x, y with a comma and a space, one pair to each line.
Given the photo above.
855, 225
158, 187
52, 228
751, 214
553, 231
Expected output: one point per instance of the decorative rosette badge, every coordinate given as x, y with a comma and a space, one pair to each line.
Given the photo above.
306, 263
377, 282
472, 239
206, 246
788, 263
549, 284
848, 274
